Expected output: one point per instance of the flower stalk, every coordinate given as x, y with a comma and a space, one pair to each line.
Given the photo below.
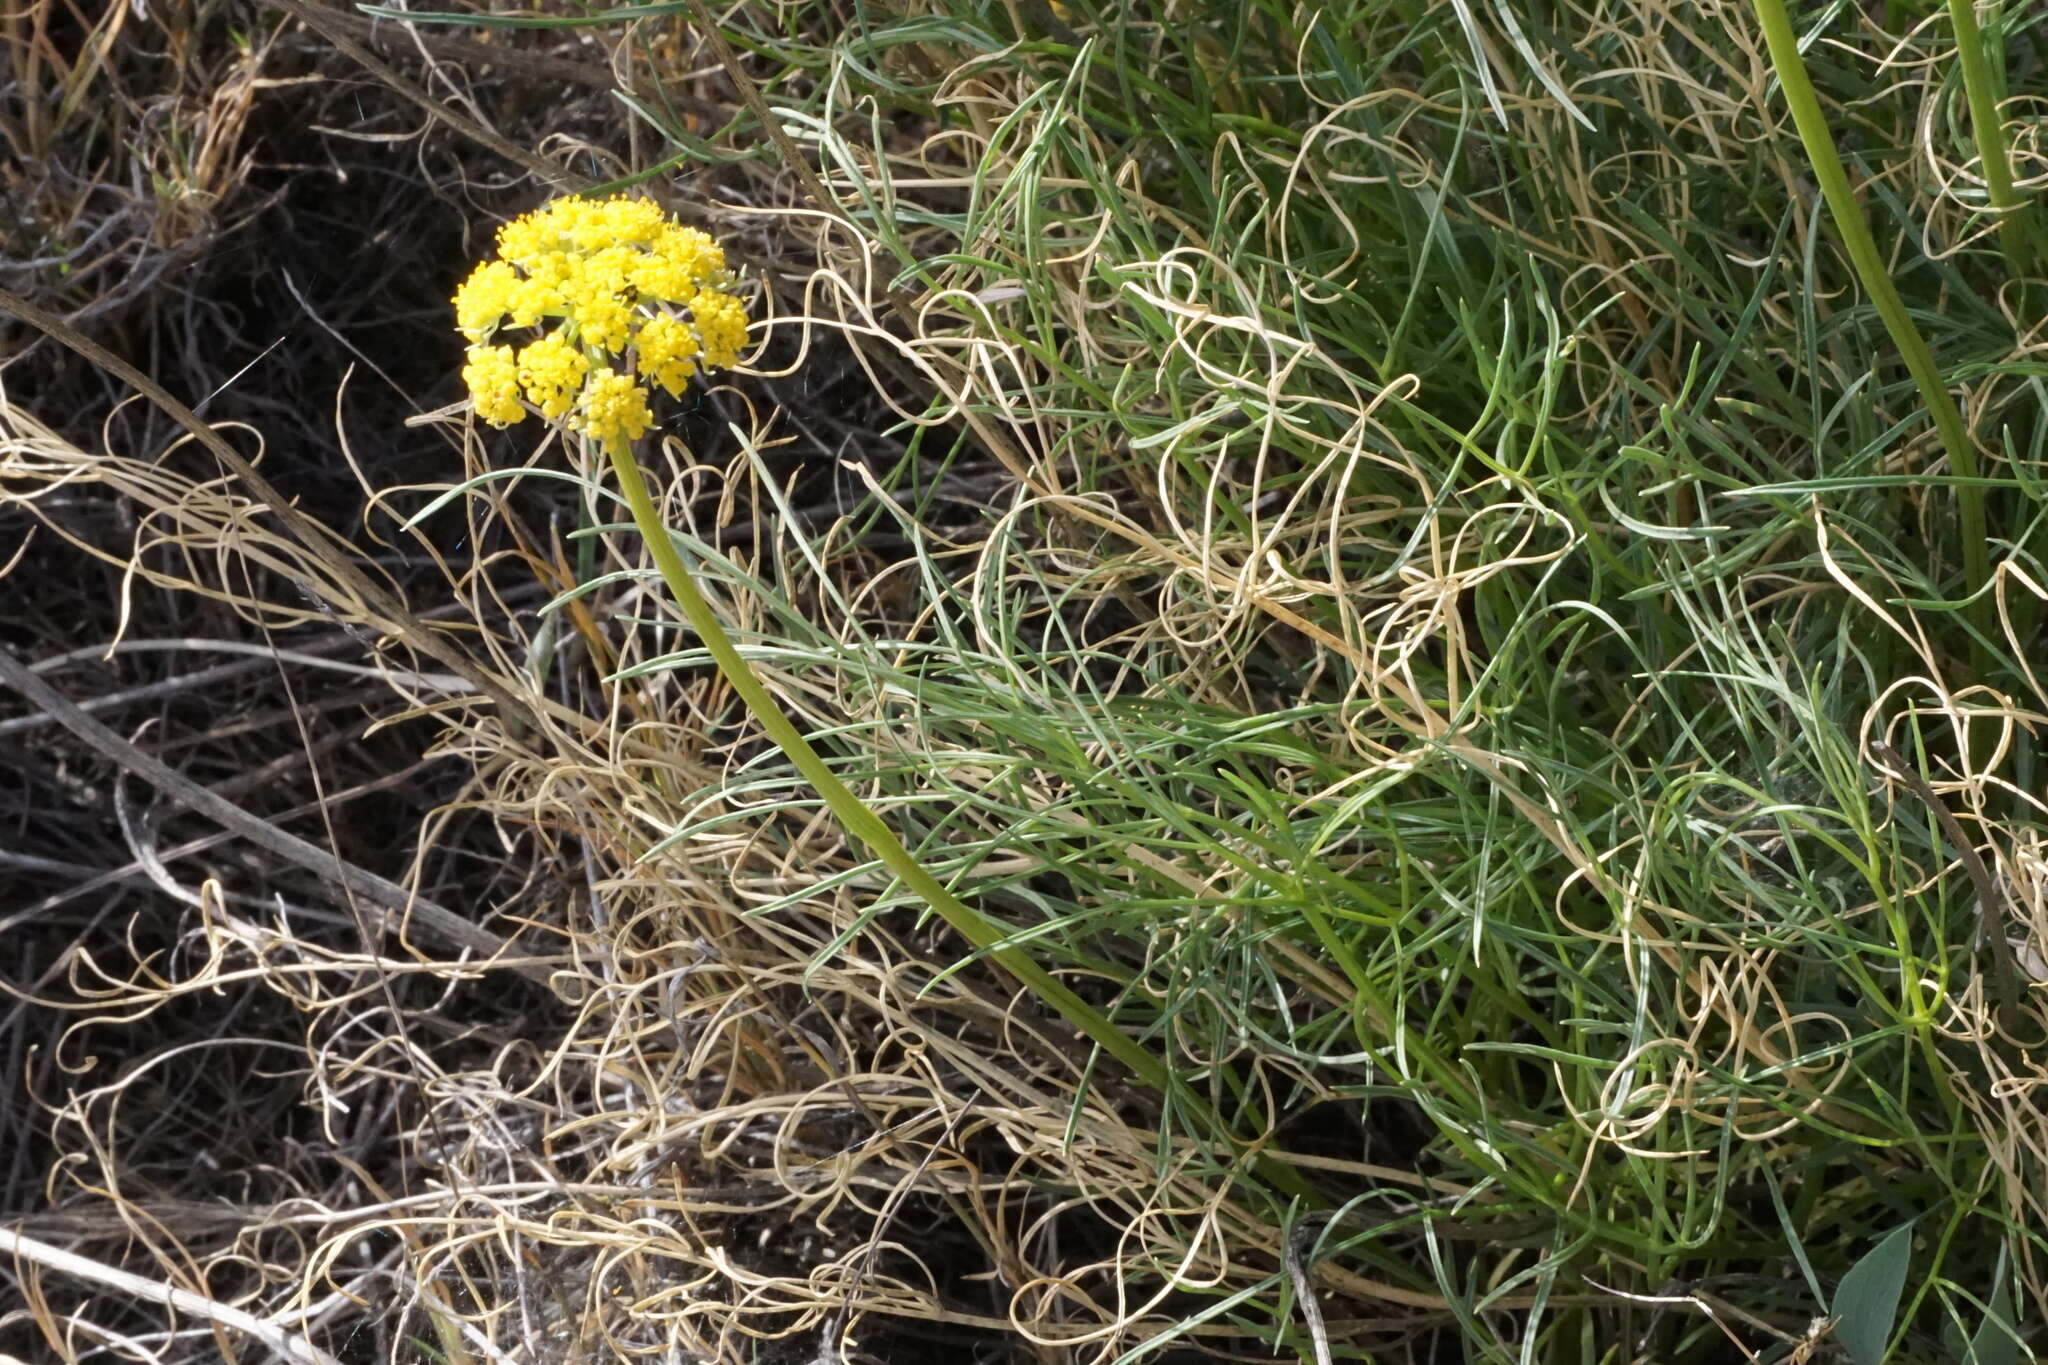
1869, 264
2017, 229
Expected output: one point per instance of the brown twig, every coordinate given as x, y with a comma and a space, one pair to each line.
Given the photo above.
287, 1345
448, 928
322, 20
305, 529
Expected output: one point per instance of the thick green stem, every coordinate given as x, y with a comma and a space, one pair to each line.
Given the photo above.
1877, 282
2016, 227
868, 827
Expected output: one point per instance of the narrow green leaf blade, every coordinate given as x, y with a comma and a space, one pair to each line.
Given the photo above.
1997, 1341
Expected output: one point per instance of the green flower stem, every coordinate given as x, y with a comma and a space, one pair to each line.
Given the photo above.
868, 827
2019, 226
2016, 226
1877, 282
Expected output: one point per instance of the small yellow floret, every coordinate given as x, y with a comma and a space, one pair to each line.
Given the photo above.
552, 268
694, 248
614, 408
664, 280
610, 269
525, 239
551, 370
722, 326
618, 221
601, 318
483, 298
667, 350
528, 301
493, 382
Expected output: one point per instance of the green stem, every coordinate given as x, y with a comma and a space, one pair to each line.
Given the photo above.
2016, 226
1877, 282
868, 827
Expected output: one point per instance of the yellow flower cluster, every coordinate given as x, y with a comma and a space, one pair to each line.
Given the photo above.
493, 383
551, 371
615, 407
607, 279
668, 351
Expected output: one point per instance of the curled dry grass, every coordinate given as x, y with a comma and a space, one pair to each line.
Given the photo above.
1420, 670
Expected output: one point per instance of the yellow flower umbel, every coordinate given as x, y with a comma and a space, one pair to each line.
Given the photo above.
623, 296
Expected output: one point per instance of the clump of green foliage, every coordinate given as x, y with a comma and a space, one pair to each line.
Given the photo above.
1518, 521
